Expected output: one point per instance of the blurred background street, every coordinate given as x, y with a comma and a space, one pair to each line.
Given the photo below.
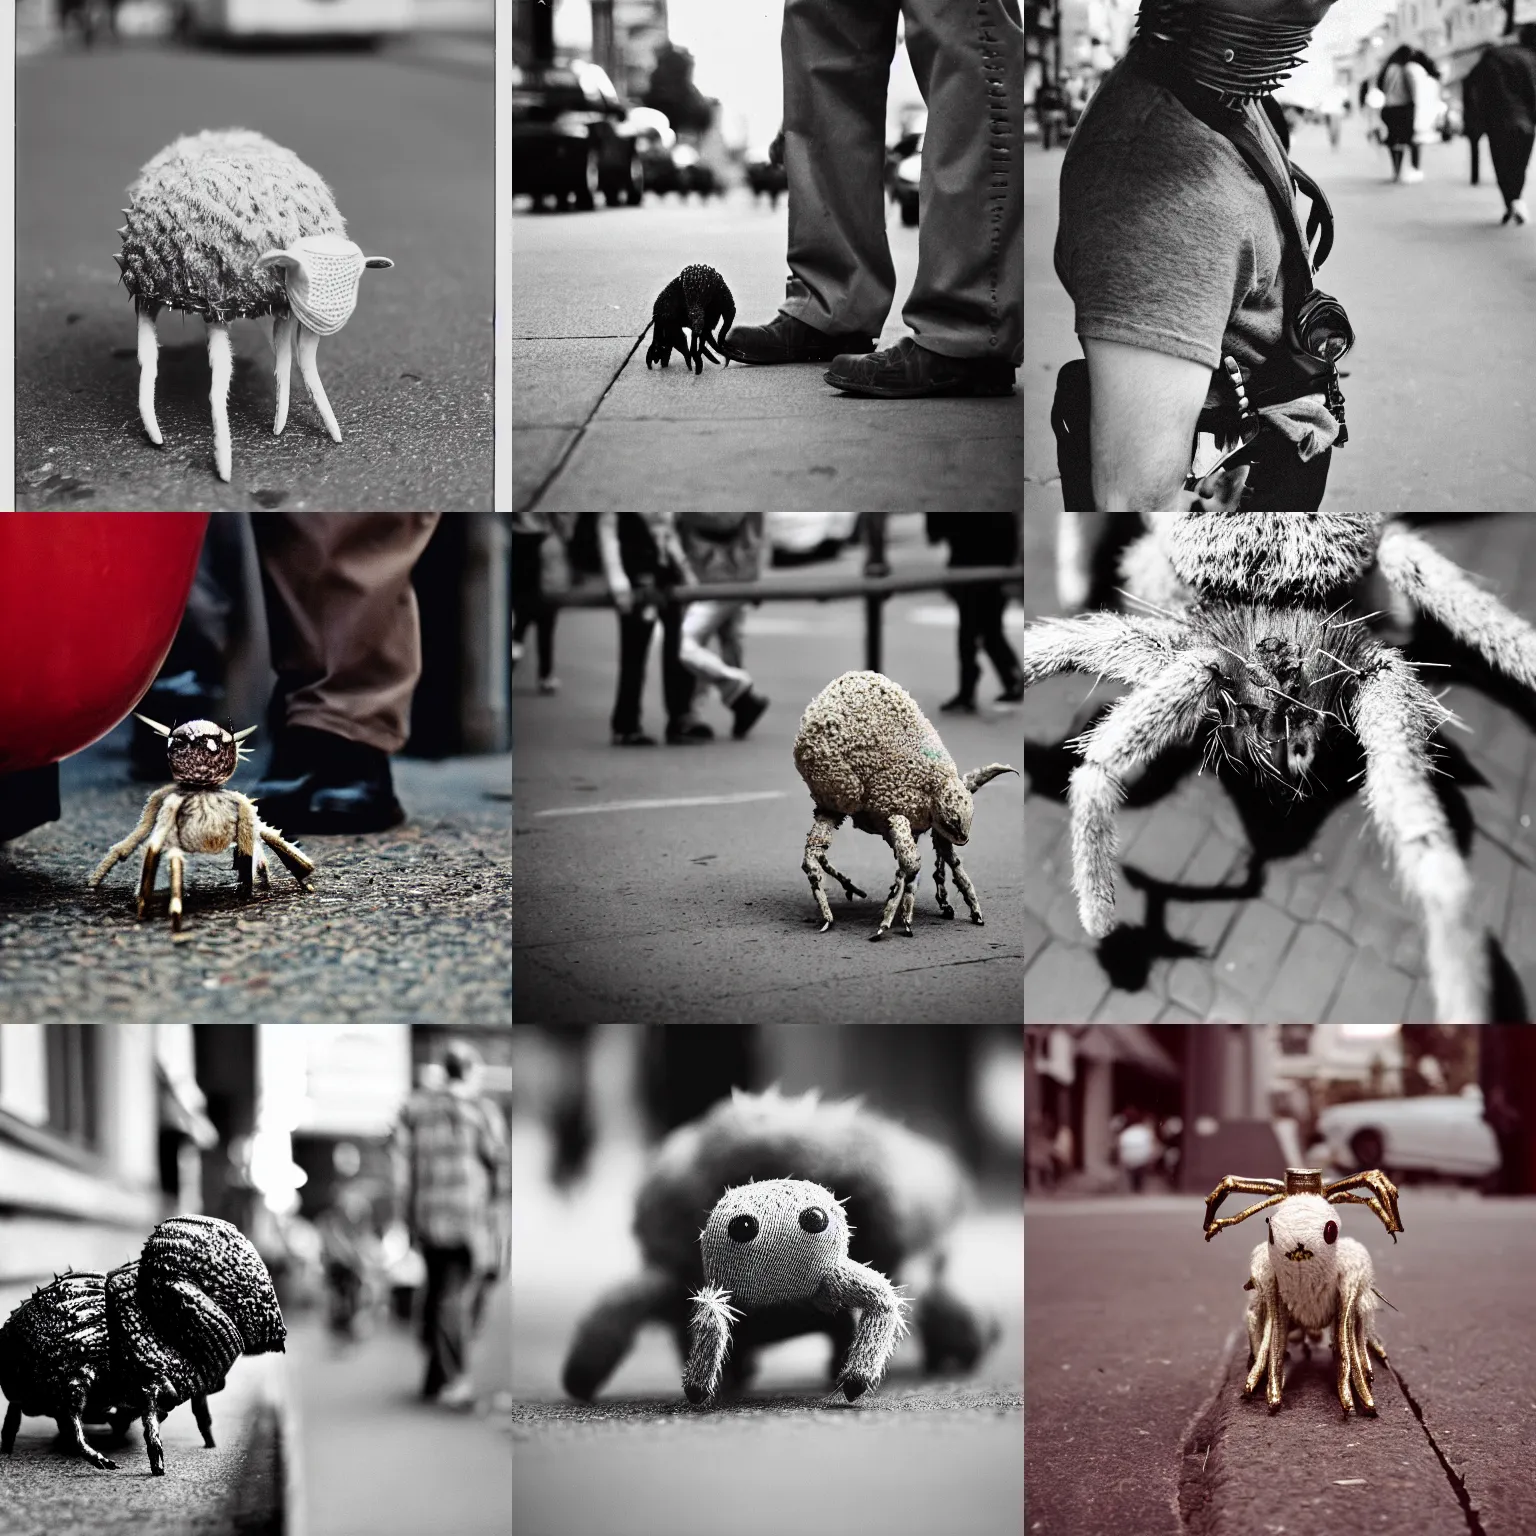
919, 1455
1135, 1418
665, 884
405, 138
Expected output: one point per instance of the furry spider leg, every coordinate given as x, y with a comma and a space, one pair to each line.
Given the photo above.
245, 843
947, 855
163, 824
817, 843
1417, 835
1128, 649
298, 863
604, 1336
123, 849
1137, 728
882, 1322
713, 1318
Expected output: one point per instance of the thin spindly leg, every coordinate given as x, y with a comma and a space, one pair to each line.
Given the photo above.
203, 1417
149, 366
1259, 1326
163, 824
1279, 1327
1361, 1360
1385, 1191
902, 891
1232, 1182
943, 850
260, 869
123, 849
309, 344
817, 841
963, 883
151, 1414
282, 352
12, 1424
221, 364
298, 863
177, 862
73, 1430
245, 842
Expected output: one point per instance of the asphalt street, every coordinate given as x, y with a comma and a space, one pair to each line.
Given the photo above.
700, 912
593, 428
1134, 1414
407, 145
409, 925
1441, 408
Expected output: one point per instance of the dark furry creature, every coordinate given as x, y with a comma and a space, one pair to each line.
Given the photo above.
697, 298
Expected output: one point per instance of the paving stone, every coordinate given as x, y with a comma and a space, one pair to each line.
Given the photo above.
1312, 972
1036, 937
1191, 984
1121, 1007
1373, 993
1254, 948
1064, 986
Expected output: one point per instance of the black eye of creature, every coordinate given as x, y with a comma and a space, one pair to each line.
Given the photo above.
1330, 1232
742, 1229
813, 1219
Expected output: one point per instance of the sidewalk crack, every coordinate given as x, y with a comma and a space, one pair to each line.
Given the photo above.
1458, 1483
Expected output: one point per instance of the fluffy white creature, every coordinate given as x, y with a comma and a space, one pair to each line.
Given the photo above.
1257, 655
866, 750
1307, 1277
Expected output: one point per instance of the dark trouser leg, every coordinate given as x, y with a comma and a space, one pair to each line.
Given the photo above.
970, 668
677, 682
1510, 149
837, 65
445, 1316
990, 603
546, 634
634, 647
527, 587
968, 297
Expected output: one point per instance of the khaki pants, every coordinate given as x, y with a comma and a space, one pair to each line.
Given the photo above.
968, 57
346, 635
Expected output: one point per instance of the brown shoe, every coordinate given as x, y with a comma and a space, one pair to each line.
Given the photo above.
787, 340
909, 372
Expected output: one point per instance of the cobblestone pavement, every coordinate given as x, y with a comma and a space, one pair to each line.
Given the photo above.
1312, 929
412, 925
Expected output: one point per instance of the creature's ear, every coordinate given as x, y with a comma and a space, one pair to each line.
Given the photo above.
250, 730
276, 259
378, 261
979, 776
154, 725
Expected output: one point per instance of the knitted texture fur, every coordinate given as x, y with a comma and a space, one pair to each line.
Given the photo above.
202, 211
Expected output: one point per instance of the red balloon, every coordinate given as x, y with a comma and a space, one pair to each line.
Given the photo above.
89, 604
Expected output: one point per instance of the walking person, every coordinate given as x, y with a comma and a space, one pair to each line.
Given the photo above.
721, 547
1499, 96
1137, 1148
981, 538
965, 309
1397, 113
537, 555
450, 1149
1209, 377
641, 556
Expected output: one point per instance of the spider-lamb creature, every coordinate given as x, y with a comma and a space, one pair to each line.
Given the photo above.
197, 815
1258, 651
1307, 1277
698, 298
784, 1242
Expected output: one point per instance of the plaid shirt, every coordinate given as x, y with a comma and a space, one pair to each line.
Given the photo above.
453, 1147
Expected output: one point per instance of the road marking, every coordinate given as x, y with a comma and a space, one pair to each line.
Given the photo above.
663, 805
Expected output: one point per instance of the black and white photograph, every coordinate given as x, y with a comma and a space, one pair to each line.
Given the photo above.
255, 255
825, 194
1277, 767
768, 1278
255, 1278
1276, 1279
811, 808
1278, 255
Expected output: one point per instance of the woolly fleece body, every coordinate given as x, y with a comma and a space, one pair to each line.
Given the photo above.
202, 211
901, 1191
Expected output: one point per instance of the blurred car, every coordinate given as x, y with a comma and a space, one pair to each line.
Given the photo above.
765, 170
1437, 1133
903, 171
366, 20
682, 169
572, 137
795, 537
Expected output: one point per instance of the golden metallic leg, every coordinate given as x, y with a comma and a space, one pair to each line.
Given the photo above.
1213, 1223
1279, 1326
1258, 1339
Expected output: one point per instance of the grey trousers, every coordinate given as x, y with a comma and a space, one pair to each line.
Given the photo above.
968, 57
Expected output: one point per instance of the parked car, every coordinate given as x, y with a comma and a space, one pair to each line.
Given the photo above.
796, 537
365, 20
1437, 1133
765, 170
572, 137
903, 171
681, 169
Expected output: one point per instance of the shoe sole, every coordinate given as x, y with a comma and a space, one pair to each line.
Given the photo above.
809, 357
917, 392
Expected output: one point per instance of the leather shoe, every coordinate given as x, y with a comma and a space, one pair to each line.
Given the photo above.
909, 372
319, 782
787, 340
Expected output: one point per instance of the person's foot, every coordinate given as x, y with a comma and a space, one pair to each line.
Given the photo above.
633, 739
1412, 173
688, 732
459, 1393
961, 701
748, 710
549, 685
909, 372
1013, 693
320, 782
1521, 213
787, 340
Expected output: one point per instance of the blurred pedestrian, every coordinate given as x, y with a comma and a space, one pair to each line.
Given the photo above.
642, 557
1137, 1148
1334, 106
981, 538
1397, 112
1063, 1151
349, 1247
1499, 99
721, 547
538, 554
965, 309
450, 1147
346, 646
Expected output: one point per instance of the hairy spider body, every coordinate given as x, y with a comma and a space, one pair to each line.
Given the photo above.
197, 815
1259, 652
1307, 1278
699, 299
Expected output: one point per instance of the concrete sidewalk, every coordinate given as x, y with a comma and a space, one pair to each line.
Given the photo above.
594, 429
1134, 1414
